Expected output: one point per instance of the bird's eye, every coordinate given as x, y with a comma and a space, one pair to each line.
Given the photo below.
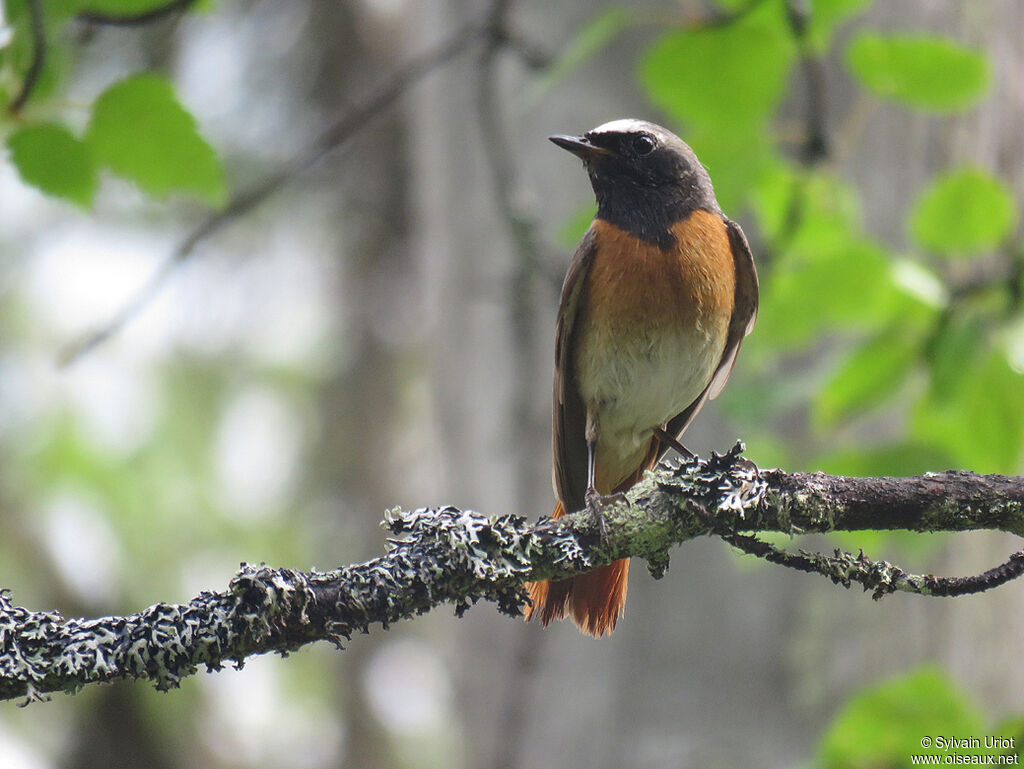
643, 144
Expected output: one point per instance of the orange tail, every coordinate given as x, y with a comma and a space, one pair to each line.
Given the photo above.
594, 600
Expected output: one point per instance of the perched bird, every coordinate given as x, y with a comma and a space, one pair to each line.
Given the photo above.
658, 297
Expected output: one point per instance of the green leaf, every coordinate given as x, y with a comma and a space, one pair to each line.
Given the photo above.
954, 353
595, 35
981, 423
62, 10
828, 274
963, 212
735, 164
920, 284
809, 295
49, 157
869, 377
140, 130
776, 198
727, 79
722, 84
920, 71
883, 725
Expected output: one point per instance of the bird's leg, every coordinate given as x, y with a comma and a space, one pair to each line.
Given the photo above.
672, 443
592, 496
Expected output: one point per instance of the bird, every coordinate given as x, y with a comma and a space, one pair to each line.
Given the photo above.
658, 297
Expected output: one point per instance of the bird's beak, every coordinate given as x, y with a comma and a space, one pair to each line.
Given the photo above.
580, 146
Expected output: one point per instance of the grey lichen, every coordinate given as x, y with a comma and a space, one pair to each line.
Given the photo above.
437, 556
454, 556
44, 652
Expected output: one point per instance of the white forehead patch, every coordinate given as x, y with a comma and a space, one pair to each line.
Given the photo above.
624, 125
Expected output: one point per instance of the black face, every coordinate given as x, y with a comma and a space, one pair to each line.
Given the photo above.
645, 178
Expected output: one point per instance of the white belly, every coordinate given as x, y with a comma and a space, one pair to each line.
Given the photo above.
640, 384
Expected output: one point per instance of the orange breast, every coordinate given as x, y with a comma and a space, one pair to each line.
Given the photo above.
634, 285
651, 331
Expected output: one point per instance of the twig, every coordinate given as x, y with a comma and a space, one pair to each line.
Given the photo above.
498, 146
1015, 280
244, 202
723, 18
879, 576
136, 20
498, 153
713, 18
532, 55
37, 24
814, 147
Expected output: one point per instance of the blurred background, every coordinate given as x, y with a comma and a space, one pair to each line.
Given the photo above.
343, 272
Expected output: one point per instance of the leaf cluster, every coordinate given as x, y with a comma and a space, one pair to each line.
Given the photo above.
136, 128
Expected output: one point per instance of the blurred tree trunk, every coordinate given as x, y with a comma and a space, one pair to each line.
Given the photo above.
492, 315
361, 400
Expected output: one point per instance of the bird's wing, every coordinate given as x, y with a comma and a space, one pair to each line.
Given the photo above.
569, 424
742, 322
744, 311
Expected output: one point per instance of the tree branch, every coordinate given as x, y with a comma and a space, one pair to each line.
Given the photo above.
138, 19
880, 576
814, 146
37, 24
723, 18
454, 556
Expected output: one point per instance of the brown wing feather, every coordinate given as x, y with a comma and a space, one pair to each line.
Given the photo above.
745, 309
742, 322
569, 424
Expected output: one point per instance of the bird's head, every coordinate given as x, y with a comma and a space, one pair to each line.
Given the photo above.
645, 177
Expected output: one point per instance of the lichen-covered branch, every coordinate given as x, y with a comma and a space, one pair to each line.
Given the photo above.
454, 556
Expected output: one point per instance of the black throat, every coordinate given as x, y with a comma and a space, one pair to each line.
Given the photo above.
647, 211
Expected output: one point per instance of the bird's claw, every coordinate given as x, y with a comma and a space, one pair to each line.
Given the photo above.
595, 504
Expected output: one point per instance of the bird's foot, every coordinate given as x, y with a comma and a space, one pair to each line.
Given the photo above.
596, 503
